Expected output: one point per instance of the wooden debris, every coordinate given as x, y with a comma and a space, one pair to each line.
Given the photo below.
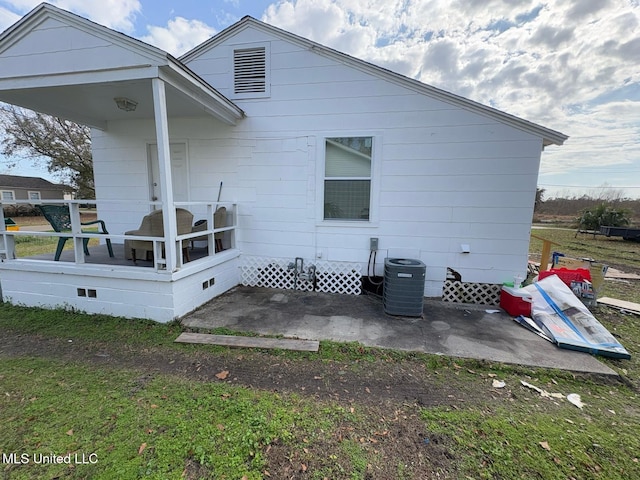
620, 304
612, 273
249, 342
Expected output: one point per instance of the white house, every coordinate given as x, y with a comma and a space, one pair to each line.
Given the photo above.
317, 152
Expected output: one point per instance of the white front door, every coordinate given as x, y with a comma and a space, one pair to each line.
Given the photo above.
179, 173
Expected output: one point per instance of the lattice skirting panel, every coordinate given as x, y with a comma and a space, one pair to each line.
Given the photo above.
464, 292
331, 277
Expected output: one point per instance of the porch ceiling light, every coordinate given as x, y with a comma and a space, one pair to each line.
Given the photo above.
125, 104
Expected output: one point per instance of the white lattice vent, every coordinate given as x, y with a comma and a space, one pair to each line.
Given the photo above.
331, 277
464, 292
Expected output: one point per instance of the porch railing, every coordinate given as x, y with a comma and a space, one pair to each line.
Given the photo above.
202, 211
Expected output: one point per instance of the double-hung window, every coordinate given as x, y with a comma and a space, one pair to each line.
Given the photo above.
347, 178
8, 195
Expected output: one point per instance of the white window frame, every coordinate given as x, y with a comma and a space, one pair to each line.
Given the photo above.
267, 57
13, 195
374, 196
30, 192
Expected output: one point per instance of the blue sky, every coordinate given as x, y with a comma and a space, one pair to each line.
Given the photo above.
570, 65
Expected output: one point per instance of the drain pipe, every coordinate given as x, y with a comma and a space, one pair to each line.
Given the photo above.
296, 270
300, 274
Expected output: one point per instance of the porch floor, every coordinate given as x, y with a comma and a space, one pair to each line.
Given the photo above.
100, 255
455, 330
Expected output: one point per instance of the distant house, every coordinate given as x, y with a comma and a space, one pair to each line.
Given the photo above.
317, 156
15, 187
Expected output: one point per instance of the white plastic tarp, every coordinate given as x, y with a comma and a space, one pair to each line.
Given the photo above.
564, 318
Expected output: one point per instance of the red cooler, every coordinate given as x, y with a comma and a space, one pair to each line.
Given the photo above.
515, 301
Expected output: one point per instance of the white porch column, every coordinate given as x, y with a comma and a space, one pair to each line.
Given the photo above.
164, 170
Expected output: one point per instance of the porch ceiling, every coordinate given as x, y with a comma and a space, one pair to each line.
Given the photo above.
93, 104
62, 64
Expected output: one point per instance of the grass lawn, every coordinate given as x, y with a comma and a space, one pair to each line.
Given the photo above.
115, 398
30, 245
123, 425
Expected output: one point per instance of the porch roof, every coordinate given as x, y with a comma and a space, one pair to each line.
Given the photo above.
59, 63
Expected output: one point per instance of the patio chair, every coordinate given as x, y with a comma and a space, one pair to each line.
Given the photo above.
60, 219
153, 226
219, 221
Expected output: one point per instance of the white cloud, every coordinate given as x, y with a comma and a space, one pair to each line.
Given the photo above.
565, 64
7, 18
116, 14
179, 36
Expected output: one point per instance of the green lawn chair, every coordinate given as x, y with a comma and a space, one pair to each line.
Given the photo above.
60, 219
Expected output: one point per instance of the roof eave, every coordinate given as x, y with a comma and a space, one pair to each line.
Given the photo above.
228, 109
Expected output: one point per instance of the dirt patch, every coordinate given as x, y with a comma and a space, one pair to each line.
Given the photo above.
399, 446
362, 382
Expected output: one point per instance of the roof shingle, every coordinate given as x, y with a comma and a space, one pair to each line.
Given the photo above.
34, 183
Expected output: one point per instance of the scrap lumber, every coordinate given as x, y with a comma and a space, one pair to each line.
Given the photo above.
546, 252
249, 342
620, 304
618, 275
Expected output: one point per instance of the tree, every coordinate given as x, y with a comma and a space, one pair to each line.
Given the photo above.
539, 198
64, 146
601, 215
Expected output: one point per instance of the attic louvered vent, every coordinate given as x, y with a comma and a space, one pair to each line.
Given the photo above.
250, 71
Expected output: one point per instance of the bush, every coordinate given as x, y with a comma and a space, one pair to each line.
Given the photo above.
595, 217
22, 210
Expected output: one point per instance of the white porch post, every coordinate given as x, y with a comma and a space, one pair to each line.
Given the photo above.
164, 170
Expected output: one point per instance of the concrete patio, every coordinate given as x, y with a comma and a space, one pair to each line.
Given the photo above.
467, 331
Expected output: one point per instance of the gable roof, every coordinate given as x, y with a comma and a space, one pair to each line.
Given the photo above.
45, 11
96, 66
31, 183
549, 136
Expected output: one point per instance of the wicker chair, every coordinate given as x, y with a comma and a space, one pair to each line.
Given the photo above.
153, 226
60, 219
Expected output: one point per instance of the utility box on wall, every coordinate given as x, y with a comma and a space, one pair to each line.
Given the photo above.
403, 286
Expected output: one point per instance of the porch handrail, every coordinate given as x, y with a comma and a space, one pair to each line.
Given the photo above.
7, 243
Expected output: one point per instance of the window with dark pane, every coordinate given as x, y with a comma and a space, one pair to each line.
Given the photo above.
347, 178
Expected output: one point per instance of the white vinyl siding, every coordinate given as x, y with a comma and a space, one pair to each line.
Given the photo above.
441, 176
251, 72
347, 182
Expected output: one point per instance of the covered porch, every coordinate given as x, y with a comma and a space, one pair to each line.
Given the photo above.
57, 63
116, 285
